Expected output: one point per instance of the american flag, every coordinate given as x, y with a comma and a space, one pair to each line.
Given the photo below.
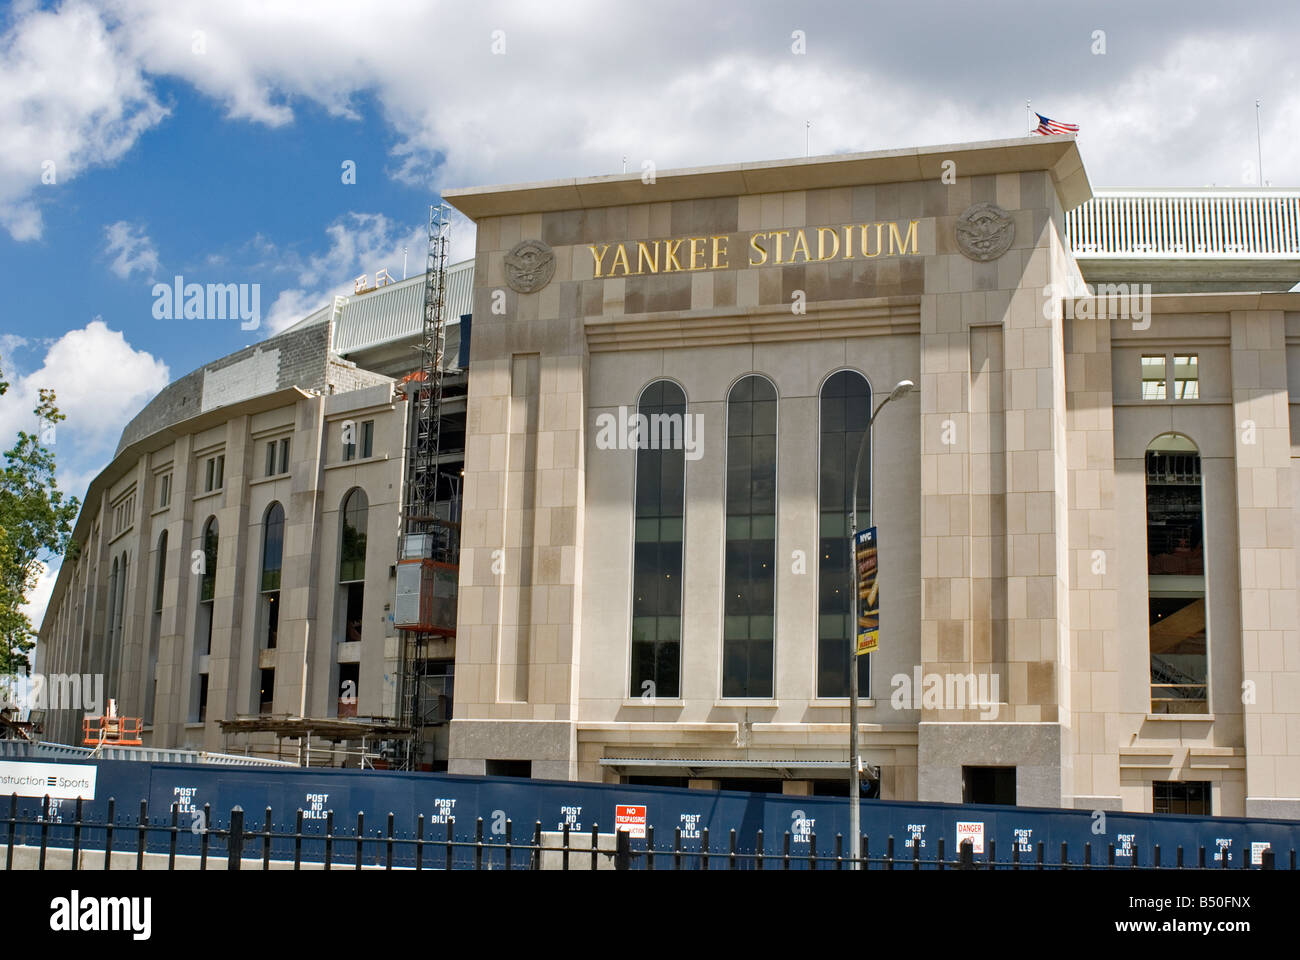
1048, 127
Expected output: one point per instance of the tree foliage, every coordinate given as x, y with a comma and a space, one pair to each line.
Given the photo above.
35, 525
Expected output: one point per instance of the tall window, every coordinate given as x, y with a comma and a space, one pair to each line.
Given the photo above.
657, 550
155, 629
272, 559
750, 577
845, 410
1153, 378
214, 473
352, 563
1176, 576
203, 627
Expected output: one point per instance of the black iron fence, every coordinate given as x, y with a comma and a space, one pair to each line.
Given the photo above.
240, 844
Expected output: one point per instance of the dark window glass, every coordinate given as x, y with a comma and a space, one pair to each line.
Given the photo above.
272, 548
845, 410
749, 580
1188, 797
272, 619
1176, 577
352, 563
367, 438
270, 459
355, 602
208, 583
266, 698
203, 697
160, 575
657, 556
349, 681
284, 455
988, 785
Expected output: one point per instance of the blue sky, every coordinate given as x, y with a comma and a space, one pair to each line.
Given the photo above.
206, 139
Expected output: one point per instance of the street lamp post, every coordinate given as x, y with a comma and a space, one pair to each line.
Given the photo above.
855, 817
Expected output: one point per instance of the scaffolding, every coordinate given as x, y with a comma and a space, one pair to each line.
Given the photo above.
425, 603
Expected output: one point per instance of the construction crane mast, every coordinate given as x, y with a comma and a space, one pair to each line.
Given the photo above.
425, 607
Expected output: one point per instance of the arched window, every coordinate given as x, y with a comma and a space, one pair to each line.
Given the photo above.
272, 559
203, 632
110, 621
208, 583
352, 563
845, 410
749, 581
657, 549
352, 560
1176, 576
155, 629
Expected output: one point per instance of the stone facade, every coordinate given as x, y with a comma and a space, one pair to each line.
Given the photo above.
1006, 494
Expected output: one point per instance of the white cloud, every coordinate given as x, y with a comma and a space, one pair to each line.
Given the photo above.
70, 98
131, 249
578, 89
100, 381
358, 243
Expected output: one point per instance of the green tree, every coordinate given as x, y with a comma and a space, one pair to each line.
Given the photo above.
35, 525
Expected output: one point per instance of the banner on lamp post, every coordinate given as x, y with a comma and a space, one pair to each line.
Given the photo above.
867, 560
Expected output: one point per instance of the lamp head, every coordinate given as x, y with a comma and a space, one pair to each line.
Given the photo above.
903, 388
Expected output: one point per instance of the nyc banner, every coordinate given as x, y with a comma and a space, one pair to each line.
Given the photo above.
865, 556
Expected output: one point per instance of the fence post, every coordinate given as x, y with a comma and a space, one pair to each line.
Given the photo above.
758, 850
916, 853
478, 844
1015, 854
388, 846
677, 848
419, 843
203, 843
1040, 856
785, 852
812, 850
45, 827
966, 855
1200, 856
297, 842
361, 830
564, 857
171, 852
235, 842
76, 838
536, 862
704, 849
939, 853
451, 824
509, 833
108, 833
650, 847
839, 851
595, 844
1266, 859
143, 842
731, 865
622, 850
329, 836
1065, 855
1180, 856
889, 852
1087, 855
1155, 856
993, 853
866, 852
1110, 854
13, 821
266, 842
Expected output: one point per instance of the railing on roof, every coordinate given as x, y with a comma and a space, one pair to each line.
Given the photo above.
1207, 223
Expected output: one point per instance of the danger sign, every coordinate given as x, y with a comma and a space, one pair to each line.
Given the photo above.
630, 819
972, 830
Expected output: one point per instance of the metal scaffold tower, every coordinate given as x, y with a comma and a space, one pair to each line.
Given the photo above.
427, 572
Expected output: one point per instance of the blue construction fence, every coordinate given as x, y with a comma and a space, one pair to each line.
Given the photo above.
811, 822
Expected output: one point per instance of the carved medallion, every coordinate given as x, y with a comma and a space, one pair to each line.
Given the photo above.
985, 232
530, 264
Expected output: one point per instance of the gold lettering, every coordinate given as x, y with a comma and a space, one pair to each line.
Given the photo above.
848, 243
620, 256
719, 251
866, 247
758, 248
598, 256
821, 243
643, 256
671, 262
777, 235
902, 242
800, 240
696, 253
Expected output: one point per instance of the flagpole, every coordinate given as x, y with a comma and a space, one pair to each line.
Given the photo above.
1259, 145
1029, 119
